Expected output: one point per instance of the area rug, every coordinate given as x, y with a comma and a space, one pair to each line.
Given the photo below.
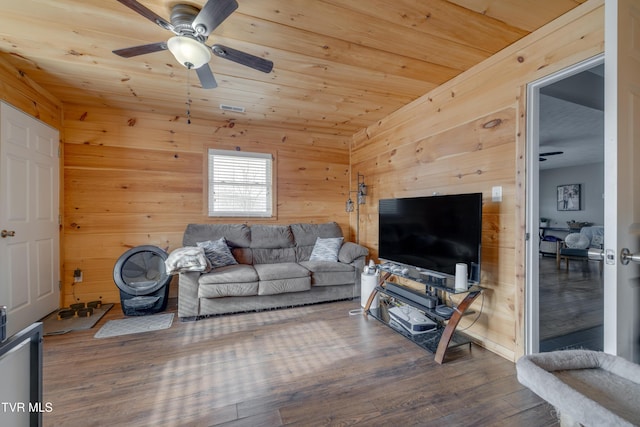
135, 325
52, 326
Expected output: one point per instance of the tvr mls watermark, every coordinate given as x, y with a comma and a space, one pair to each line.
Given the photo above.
26, 407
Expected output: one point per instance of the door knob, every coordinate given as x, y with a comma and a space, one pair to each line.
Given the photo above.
626, 256
5, 233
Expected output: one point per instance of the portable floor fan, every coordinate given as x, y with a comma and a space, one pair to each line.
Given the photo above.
192, 27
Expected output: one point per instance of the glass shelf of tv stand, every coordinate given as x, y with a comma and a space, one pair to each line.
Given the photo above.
424, 278
427, 340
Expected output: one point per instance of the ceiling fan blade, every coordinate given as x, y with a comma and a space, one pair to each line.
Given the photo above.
129, 52
206, 77
212, 14
147, 13
243, 58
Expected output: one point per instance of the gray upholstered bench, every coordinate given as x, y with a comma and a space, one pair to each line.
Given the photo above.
586, 387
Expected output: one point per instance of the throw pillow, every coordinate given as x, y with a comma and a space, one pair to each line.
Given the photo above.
326, 249
218, 252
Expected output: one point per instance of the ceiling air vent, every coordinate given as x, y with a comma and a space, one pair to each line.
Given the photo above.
233, 108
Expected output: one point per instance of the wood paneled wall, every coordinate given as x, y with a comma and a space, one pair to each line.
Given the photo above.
133, 179
468, 135
19, 90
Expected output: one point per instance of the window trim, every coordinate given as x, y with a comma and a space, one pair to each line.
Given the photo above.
247, 154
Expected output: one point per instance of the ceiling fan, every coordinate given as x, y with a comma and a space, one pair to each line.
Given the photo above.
192, 27
543, 156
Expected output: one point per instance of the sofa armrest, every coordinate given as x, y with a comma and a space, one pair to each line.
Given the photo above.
358, 265
356, 255
188, 303
350, 251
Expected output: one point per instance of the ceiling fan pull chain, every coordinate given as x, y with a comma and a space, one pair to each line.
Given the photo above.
188, 95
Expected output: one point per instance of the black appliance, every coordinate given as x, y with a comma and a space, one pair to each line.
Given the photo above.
141, 276
432, 233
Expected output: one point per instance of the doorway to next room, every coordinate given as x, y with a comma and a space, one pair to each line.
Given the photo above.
565, 307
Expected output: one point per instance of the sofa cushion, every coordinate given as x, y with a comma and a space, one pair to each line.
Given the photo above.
221, 290
217, 252
237, 235
273, 256
282, 278
285, 270
329, 273
271, 236
239, 273
283, 286
349, 252
303, 253
326, 249
306, 234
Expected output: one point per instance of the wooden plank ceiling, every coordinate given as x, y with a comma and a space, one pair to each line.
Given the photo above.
340, 65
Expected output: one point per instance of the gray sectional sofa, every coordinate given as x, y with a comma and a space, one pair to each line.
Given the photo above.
273, 266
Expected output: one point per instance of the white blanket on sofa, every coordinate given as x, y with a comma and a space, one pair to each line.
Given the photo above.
187, 259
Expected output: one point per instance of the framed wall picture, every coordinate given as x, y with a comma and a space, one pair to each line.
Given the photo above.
569, 197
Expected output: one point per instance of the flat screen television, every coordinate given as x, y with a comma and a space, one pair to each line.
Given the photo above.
432, 233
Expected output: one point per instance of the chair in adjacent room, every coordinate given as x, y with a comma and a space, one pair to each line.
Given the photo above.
576, 246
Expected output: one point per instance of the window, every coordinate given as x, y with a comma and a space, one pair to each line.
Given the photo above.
240, 184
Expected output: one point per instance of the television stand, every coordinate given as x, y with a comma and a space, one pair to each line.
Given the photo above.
445, 336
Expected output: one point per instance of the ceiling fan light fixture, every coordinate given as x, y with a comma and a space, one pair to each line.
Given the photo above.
189, 51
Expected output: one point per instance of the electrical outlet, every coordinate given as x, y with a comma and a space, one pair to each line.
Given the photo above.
77, 275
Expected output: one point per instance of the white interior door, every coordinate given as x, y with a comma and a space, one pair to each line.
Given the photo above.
29, 218
622, 178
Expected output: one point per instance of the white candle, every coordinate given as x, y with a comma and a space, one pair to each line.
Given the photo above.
461, 277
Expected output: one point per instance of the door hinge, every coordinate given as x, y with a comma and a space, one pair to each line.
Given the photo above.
527, 236
60, 285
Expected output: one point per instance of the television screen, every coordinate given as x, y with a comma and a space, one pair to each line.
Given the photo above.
432, 233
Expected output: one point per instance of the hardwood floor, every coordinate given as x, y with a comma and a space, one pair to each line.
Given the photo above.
307, 366
571, 302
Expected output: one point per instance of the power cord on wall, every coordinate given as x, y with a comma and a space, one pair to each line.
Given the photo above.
73, 291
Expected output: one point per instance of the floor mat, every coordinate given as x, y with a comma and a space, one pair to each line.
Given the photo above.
135, 325
53, 326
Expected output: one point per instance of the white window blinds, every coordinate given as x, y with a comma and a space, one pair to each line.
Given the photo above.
240, 183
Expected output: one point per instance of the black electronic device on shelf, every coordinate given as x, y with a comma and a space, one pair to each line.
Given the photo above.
433, 233
421, 298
